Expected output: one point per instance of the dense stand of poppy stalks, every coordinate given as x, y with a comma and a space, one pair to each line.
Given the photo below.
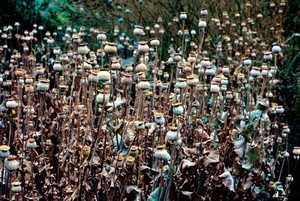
79, 124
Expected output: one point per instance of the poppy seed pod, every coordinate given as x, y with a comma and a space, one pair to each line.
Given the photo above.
159, 119
192, 80
119, 162
57, 66
141, 67
10, 163
103, 76
110, 48
177, 57
267, 56
214, 88
10, 103
143, 47
29, 109
19, 73
115, 65
296, 151
126, 79
101, 36
210, 71
138, 31
181, 83
129, 161
248, 62
205, 62
31, 143
203, 12
276, 49
93, 76
154, 42
43, 85
16, 187
202, 24
102, 97
177, 108
173, 134
183, 16
134, 150
286, 129
144, 85
4, 151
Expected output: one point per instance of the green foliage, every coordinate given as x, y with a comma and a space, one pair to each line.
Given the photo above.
253, 155
154, 196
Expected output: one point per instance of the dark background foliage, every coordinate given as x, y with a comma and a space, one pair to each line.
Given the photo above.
105, 14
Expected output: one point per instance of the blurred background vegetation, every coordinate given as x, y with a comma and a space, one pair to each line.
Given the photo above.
106, 15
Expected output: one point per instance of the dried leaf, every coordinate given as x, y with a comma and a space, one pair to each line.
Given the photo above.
227, 180
213, 157
240, 146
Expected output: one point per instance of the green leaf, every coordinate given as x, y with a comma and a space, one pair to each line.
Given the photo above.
154, 196
253, 154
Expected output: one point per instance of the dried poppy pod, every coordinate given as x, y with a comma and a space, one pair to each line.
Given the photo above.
11, 103
102, 96
10, 163
43, 85
31, 143
214, 87
173, 134
57, 66
63, 88
210, 71
126, 79
16, 187
201, 87
141, 67
87, 65
129, 161
183, 16
187, 69
177, 108
64, 58
192, 58
103, 75
154, 42
181, 83
39, 70
4, 151
119, 162
279, 109
28, 79
92, 77
192, 80
176, 57
143, 47
138, 31
159, 118
110, 48
134, 150
115, 65
141, 75
101, 36
255, 71
144, 84
19, 73
76, 38
161, 153
29, 109
267, 56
